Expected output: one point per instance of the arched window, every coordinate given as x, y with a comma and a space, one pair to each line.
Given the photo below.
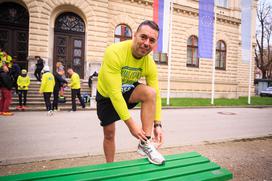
220, 55
192, 52
122, 32
69, 22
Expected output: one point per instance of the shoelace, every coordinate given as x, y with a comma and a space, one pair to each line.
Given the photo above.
149, 147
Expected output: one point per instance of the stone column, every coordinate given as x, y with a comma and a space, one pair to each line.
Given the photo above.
31, 66
94, 85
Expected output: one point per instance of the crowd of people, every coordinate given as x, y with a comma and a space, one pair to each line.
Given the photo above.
55, 83
13, 79
9, 74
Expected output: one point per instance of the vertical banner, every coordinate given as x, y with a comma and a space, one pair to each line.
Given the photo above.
161, 11
206, 28
246, 30
170, 51
246, 40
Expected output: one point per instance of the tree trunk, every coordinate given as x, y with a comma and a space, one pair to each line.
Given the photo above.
263, 73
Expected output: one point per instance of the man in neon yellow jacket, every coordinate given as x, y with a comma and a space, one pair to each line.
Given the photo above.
75, 88
6, 59
1, 53
47, 87
23, 82
118, 90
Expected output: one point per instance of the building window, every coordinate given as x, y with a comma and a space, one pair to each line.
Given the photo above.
160, 58
122, 32
220, 55
69, 22
222, 3
13, 14
192, 52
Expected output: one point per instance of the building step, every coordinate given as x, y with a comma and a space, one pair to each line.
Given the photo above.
42, 108
35, 100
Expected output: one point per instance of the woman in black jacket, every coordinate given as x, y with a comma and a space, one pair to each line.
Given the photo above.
59, 82
39, 67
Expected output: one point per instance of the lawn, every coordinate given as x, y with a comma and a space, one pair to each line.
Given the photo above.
242, 101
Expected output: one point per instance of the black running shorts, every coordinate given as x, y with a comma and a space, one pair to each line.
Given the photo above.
105, 110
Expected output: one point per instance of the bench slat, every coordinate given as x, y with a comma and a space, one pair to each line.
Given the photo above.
221, 174
185, 165
166, 173
127, 171
85, 169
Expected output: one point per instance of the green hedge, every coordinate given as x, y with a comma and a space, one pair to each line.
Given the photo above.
242, 101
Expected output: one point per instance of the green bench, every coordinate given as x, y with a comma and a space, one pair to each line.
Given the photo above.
185, 166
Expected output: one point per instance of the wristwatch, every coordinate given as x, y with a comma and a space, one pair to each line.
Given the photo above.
157, 124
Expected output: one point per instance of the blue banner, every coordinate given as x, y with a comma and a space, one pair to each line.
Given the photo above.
161, 11
161, 21
246, 30
206, 28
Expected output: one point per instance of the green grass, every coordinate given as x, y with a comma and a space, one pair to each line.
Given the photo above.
242, 101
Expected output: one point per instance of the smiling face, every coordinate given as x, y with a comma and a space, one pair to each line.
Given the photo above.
70, 71
145, 39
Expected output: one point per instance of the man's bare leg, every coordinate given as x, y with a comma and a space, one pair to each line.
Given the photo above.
147, 96
109, 142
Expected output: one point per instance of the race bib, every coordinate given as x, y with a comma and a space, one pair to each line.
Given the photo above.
127, 87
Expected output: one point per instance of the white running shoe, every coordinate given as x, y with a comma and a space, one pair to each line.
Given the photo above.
50, 113
151, 152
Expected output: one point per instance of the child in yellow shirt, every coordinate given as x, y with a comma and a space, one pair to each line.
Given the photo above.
23, 82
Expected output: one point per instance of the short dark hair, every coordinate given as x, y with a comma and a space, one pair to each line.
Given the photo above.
151, 24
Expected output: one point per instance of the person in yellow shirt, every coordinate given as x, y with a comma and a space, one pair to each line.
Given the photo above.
75, 89
6, 59
1, 54
118, 90
23, 82
47, 87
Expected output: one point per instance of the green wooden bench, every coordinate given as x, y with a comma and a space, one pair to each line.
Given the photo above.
185, 166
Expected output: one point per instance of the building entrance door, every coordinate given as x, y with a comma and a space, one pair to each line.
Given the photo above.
14, 21
69, 42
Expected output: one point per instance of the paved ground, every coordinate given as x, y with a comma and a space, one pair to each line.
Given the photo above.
33, 136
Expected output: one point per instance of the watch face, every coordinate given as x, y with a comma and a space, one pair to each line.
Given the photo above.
156, 125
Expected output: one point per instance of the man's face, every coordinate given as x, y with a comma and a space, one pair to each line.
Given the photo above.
70, 71
5, 69
144, 41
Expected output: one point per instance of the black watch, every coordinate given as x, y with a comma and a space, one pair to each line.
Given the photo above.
157, 124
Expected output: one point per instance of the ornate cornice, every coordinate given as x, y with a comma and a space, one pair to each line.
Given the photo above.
190, 11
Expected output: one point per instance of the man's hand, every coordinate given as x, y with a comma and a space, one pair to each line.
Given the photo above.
158, 136
136, 130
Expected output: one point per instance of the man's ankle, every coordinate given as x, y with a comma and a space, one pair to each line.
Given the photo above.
144, 142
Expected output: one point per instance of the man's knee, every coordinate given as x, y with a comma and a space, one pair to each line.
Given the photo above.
150, 93
109, 134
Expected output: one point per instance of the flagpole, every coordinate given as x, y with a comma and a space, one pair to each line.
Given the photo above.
214, 54
249, 79
169, 52
250, 68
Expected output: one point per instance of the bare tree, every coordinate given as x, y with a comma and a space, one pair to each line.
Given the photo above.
263, 54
